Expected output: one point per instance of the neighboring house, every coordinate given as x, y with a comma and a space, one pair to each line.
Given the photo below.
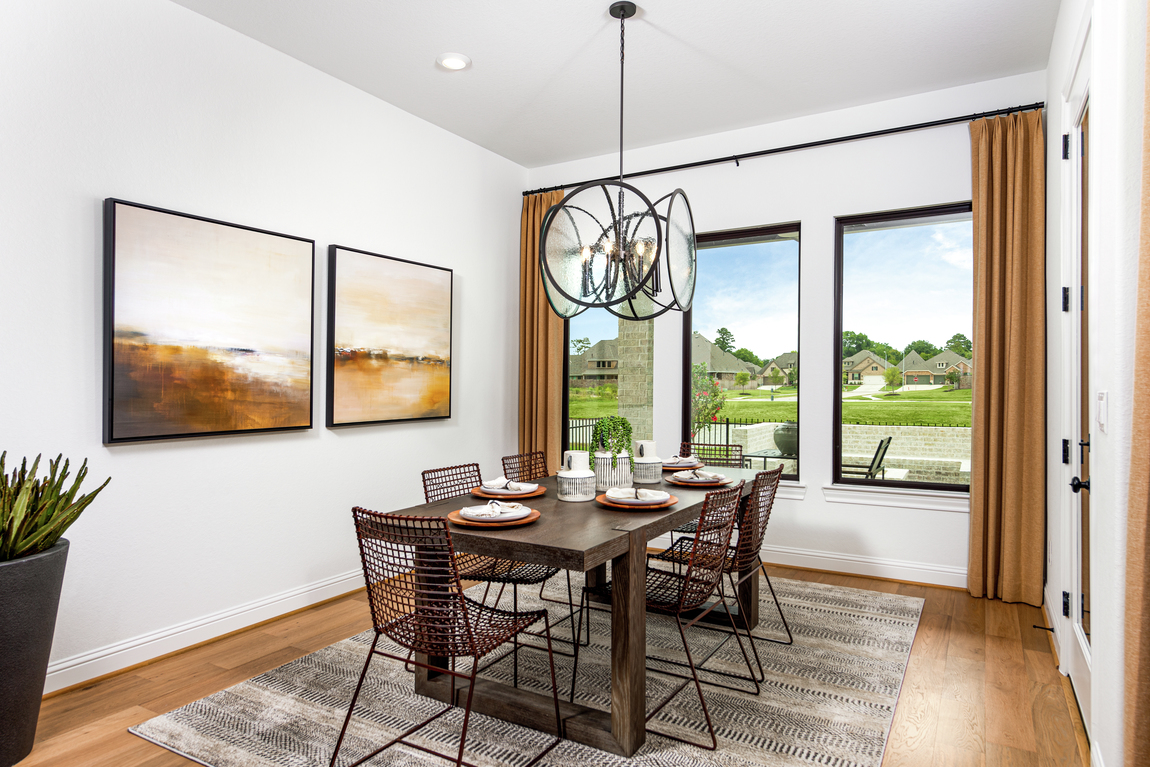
599, 363
722, 366
934, 370
864, 367
780, 364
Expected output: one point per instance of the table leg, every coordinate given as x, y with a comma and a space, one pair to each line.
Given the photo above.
629, 645
749, 598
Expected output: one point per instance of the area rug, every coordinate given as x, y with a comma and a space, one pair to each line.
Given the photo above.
828, 699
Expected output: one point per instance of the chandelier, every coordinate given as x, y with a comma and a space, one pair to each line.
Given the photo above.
607, 245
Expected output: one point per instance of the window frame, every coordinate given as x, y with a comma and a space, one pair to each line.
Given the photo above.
745, 233
841, 222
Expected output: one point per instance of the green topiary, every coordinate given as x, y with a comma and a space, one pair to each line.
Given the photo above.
35, 513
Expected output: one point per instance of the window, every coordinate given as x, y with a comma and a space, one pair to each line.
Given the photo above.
915, 431
741, 363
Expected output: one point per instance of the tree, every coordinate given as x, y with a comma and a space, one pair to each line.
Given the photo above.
746, 355
925, 349
742, 378
707, 399
960, 344
792, 376
892, 375
853, 343
580, 345
775, 377
887, 352
952, 378
725, 339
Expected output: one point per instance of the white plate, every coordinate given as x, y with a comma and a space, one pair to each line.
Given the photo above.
701, 481
673, 464
507, 516
504, 491
638, 502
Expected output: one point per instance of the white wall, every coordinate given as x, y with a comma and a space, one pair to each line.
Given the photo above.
150, 102
908, 536
1117, 64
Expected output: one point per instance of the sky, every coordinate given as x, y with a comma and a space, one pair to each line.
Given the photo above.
751, 290
910, 283
181, 280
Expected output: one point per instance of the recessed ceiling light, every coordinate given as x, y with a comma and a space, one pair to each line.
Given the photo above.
453, 61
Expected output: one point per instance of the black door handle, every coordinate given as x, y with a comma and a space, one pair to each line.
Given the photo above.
1076, 484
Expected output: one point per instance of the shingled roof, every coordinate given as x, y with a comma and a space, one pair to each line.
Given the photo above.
717, 360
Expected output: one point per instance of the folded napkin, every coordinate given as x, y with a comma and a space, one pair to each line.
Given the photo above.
636, 493
698, 474
688, 461
494, 509
503, 483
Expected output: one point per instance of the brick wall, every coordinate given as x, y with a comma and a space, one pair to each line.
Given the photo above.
636, 376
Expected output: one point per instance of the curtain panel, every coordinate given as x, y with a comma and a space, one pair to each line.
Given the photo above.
1137, 628
540, 342
1007, 484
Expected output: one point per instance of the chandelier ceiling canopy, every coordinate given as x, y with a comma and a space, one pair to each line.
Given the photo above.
605, 244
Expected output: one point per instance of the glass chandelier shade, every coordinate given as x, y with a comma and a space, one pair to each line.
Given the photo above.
606, 245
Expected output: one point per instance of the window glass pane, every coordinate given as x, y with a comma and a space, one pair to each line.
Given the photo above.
610, 369
744, 348
907, 371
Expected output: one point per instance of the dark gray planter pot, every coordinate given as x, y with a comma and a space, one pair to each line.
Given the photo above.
29, 597
787, 438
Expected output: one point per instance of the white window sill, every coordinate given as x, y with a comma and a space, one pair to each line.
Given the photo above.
791, 490
928, 500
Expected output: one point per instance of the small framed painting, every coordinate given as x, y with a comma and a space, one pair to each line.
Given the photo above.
389, 339
207, 326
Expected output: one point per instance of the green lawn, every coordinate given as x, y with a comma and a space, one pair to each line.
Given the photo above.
932, 395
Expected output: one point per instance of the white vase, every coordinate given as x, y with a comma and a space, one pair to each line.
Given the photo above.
607, 476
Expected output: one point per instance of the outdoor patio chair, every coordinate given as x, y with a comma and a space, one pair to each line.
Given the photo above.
873, 470
417, 602
744, 557
677, 593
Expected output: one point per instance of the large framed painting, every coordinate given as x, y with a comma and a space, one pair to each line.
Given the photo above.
389, 339
207, 326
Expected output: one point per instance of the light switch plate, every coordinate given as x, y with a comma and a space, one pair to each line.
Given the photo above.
1100, 417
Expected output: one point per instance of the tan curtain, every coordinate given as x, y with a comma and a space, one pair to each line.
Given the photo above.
540, 342
1138, 513
1007, 480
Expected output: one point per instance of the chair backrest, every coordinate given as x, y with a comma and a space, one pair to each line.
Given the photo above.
879, 455
525, 467
450, 481
753, 520
709, 548
412, 583
729, 456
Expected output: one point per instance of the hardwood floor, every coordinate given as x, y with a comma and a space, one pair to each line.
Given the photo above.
982, 688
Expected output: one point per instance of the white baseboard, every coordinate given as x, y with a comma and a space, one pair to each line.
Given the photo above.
1095, 754
856, 564
104, 660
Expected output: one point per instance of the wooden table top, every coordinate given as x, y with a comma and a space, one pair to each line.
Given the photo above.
574, 536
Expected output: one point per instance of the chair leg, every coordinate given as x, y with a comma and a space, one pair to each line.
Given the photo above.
698, 688
466, 708
739, 637
750, 637
515, 639
578, 642
354, 697
779, 607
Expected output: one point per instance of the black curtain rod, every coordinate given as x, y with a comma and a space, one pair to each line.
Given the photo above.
735, 158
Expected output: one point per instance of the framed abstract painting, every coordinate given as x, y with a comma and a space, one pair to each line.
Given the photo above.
389, 339
207, 326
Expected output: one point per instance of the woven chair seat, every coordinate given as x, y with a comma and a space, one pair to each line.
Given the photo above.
680, 553
664, 590
489, 626
477, 567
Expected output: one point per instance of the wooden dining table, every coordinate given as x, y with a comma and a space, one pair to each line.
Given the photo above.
583, 537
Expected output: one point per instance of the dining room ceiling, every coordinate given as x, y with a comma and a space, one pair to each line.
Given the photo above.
544, 84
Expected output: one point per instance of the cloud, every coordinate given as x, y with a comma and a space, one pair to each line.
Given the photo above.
951, 250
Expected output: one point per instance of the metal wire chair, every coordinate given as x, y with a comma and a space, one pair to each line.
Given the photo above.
727, 456
525, 467
417, 602
675, 593
744, 556
454, 481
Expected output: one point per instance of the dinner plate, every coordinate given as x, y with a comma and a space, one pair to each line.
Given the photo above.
507, 516
455, 519
604, 500
481, 492
636, 501
700, 481
682, 467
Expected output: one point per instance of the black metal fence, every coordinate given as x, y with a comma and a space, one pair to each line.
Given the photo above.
579, 433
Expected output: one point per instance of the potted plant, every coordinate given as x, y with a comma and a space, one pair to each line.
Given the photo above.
34, 513
611, 437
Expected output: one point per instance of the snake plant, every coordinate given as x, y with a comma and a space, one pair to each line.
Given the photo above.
34, 513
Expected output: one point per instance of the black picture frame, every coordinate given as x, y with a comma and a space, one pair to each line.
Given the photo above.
415, 374
186, 352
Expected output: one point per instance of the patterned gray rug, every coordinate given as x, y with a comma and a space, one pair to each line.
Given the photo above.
828, 699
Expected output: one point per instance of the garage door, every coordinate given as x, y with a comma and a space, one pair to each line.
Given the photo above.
872, 379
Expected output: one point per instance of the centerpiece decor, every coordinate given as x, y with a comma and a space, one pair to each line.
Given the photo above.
33, 515
576, 481
646, 464
612, 438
